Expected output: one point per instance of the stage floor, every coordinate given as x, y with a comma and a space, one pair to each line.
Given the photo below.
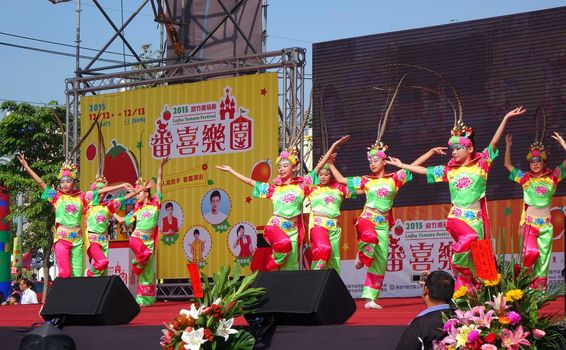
365, 329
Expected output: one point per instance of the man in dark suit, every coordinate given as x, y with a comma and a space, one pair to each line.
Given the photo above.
428, 325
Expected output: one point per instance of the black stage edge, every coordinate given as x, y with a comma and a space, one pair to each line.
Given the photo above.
284, 337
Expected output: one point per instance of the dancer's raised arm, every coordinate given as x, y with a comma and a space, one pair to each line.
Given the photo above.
507, 161
330, 152
426, 156
562, 143
499, 132
417, 169
34, 176
239, 176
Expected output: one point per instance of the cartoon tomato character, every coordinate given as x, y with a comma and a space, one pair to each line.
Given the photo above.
120, 164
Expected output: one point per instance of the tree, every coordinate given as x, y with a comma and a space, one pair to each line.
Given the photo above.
36, 131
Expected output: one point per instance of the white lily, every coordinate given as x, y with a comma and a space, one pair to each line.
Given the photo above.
217, 301
193, 339
193, 312
225, 328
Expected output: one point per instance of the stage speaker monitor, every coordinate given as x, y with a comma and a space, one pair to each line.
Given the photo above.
304, 298
90, 301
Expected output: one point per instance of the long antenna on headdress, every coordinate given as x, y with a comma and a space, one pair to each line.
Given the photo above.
306, 118
78, 145
101, 150
323, 126
439, 94
385, 116
460, 108
540, 138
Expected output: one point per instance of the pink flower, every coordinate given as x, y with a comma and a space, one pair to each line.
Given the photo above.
329, 199
383, 192
457, 212
71, 208
275, 221
463, 182
450, 324
482, 319
473, 336
512, 341
538, 333
514, 317
145, 214
541, 190
100, 219
488, 347
288, 198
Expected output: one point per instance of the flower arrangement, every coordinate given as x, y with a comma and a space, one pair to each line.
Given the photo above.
207, 323
504, 314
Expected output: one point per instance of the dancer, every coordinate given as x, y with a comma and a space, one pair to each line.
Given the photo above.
376, 219
326, 197
97, 216
539, 185
284, 230
142, 241
466, 174
68, 204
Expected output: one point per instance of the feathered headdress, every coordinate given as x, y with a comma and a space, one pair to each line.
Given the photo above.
140, 182
536, 150
68, 170
378, 149
98, 182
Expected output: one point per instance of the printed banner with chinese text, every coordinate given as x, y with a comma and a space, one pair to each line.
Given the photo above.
207, 216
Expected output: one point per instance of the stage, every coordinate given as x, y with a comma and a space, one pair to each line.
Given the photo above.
366, 329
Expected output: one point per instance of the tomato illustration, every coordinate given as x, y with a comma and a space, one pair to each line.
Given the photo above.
120, 165
261, 171
91, 152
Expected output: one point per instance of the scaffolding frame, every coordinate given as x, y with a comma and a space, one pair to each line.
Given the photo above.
288, 63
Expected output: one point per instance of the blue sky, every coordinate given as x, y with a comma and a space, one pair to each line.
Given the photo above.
39, 77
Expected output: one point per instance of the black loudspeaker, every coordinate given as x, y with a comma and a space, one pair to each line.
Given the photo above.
90, 301
303, 298
47, 337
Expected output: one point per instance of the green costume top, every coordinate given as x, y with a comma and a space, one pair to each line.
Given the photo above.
145, 215
287, 199
68, 206
538, 191
327, 199
98, 214
380, 191
467, 183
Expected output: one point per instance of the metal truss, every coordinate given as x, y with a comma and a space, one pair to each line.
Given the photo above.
289, 63
168, 291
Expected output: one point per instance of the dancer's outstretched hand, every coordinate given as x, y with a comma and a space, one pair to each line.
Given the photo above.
222, 167
559, 138
342, 140
164, 161
509, 140
129, 187
516, 112
439, 150
394, 161
22, 159
149, 184
332, 158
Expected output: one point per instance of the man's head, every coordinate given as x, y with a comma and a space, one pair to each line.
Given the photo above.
25, 284
13, 299
439, 287
215, 199
196, 234
169, 208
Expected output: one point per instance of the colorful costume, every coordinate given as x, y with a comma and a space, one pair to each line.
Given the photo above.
68, 236
467, 186
537, 232
284, 230
325, 230
374, 224
142, 243
97, 217
197, 247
